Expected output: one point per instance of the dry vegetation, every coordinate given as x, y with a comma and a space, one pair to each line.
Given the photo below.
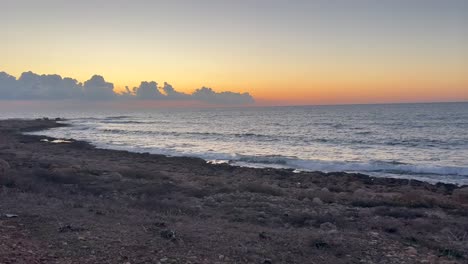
77, 204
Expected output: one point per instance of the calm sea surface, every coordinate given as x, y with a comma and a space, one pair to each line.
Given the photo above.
422, 141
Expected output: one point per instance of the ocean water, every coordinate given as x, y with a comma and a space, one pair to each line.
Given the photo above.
428, 142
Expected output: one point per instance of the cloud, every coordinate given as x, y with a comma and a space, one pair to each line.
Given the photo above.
172, 94
208, 95
148, 90
31, 86
7, 85
34, 86
97, 88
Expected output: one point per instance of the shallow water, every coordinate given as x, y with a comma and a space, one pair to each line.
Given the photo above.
423, 141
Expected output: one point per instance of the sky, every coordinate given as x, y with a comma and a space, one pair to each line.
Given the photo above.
279, 51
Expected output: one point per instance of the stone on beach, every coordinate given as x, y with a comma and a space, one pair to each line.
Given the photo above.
112, 176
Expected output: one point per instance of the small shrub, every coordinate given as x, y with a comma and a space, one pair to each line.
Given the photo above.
166, 207
320, 241
261, 188
372, 203
299, 219
143, 174
66, 176
156, 189
8, 181
398, 213
391, 230
451, 253
198, 193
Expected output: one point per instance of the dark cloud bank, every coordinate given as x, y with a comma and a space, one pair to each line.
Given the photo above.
31, 86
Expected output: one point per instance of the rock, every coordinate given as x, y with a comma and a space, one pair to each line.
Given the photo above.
4, 167
461, 195
267, 261
317, 201
11, 215
160, 224
411, 251
76, 167
263, 235
70, 228
168, 234
327, 226
112, 176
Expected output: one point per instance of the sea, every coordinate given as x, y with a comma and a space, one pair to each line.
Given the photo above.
427, 142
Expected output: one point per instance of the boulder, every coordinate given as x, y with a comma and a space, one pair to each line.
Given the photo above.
4, 167
112, 176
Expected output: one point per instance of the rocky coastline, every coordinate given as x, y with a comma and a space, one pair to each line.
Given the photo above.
70, 202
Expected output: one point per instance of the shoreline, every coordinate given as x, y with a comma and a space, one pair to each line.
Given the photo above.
261, 166
75, 203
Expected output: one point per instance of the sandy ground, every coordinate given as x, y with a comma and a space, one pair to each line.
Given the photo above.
73, 203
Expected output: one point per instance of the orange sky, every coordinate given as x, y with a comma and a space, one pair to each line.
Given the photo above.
301, 53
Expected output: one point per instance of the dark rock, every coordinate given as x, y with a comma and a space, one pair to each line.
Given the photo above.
168, 234
263, 235
11, 215
160, 224
70, 228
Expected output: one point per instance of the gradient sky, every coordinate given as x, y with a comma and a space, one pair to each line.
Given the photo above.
287, 52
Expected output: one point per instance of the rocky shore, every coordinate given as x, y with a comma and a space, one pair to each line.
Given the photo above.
73, 203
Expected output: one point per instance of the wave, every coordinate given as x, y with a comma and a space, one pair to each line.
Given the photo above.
188, 133
395, 169
291, 139
380, 167
430, 173
118, 117
122, 122
292, 162
371, 166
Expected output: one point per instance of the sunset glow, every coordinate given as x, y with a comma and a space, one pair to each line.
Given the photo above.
302, 53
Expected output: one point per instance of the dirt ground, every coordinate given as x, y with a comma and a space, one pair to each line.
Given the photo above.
73, 203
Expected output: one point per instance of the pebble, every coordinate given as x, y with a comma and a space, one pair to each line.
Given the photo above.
411, 251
